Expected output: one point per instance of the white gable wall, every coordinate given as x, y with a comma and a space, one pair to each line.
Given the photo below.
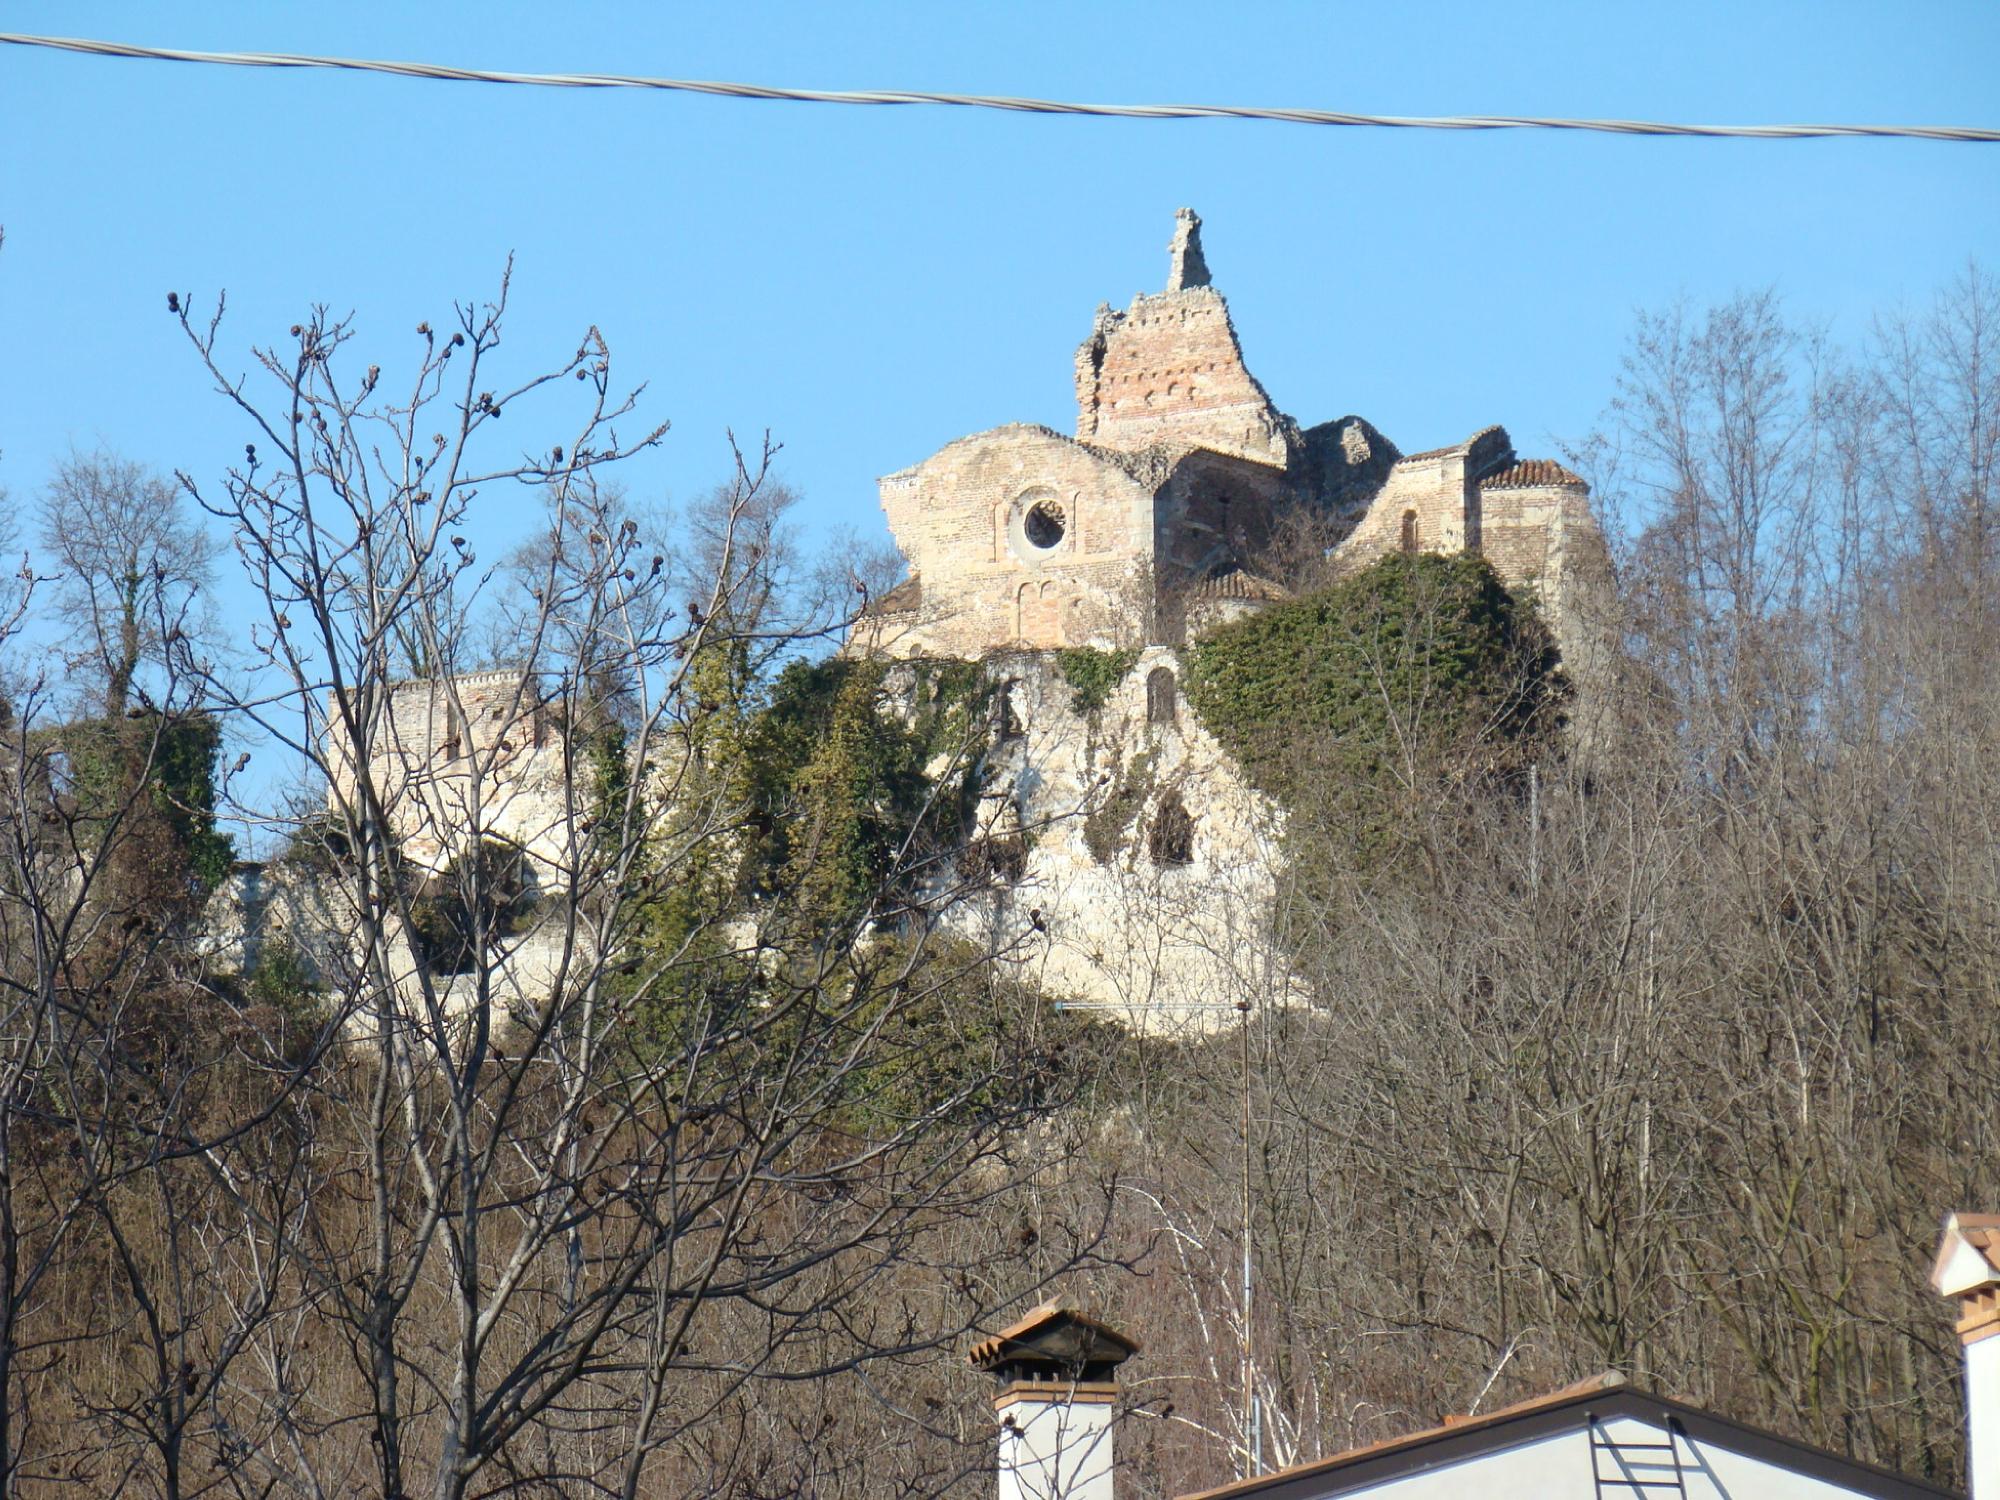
1982, 1399
1558, 1468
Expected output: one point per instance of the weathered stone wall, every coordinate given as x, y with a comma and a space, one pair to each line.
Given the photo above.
1430, 502
1211, 511
1528, 509
281, 905
1169, 370
474, 756
310, 913
990, 576
1181, 469
1543, 540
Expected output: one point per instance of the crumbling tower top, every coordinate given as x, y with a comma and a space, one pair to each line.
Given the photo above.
1187, 267
1168, 370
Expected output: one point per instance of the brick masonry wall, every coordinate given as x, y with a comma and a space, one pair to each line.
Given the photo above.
1180, 464
1544, 541
1434, 490
1170, 370
1520, 533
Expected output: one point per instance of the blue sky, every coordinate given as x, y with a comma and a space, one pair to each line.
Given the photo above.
869, 284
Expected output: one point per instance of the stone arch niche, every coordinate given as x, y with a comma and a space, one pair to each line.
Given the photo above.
1170, 837
1162, 696
1412, 539
1038, 613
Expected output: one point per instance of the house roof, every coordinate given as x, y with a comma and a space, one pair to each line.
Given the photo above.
1968, 1256
1604, 1396
904, 597
1237, 584
1488, 435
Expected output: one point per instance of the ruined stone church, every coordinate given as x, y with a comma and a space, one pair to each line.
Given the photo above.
1152, 517
1146, 868
1151, 867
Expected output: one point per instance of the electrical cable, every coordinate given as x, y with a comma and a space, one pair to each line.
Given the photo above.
1963, 133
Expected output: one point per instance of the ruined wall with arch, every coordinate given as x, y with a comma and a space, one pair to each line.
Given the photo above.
1017, 536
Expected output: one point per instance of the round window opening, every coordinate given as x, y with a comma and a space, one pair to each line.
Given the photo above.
1043, 525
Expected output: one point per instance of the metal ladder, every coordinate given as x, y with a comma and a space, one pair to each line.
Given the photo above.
1662, 1460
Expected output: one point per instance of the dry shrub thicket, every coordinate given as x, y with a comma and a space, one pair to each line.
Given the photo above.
364, 1224
1671, 1056
1664, 1051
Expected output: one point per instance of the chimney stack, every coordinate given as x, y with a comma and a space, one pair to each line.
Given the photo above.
1968, 1269
1058, 1390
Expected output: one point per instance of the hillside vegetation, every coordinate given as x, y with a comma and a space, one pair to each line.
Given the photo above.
1645, 1021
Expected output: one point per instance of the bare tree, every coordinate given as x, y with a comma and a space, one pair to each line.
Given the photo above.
133, 563
595, 1160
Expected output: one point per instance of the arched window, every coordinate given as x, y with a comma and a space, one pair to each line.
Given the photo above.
1409, 531
1038, 619
1160, 696
1050, 611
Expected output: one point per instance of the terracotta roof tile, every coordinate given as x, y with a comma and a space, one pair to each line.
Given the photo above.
1532, 473
1444, 452
1237, 584
904, 597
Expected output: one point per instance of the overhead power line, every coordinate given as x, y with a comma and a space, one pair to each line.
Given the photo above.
996, 101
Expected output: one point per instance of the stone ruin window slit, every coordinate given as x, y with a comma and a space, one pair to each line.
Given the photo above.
1162, 705
1410, 537
1006, 721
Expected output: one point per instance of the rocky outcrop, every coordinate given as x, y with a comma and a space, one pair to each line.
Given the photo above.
1147, 867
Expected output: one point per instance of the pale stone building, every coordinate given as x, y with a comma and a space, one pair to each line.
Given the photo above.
480, 755
479, 758
1167, 497
1151, 867
1149, 525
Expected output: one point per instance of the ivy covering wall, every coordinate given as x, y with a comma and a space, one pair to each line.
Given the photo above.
1418, 671
1092, 674
149, 780
817, 798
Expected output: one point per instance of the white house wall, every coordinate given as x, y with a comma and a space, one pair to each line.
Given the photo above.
1559, 1468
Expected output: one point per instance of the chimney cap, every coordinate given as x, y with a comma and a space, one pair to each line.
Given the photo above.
1968, 1257
1054, 1339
